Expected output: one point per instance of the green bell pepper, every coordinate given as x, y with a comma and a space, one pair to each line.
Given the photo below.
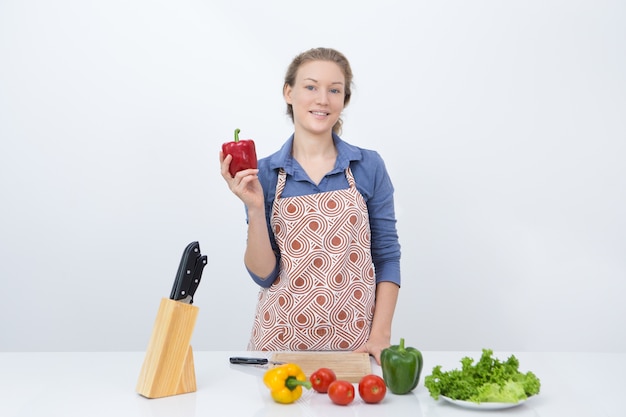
401, 367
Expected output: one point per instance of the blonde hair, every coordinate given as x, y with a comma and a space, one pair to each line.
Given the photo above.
321, 54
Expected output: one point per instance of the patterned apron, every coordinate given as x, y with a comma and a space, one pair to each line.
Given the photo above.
323, 298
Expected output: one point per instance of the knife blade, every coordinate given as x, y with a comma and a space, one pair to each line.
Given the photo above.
185, 273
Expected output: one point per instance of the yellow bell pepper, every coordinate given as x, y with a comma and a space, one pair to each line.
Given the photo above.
285, 382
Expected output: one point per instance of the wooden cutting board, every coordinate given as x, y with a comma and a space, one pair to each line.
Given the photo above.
348, 366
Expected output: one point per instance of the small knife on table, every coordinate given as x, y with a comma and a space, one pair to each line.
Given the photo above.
189, 274
253, 361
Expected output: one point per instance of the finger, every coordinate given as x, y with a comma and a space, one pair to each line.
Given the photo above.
246, 174
250, 172
225, 165
245, 182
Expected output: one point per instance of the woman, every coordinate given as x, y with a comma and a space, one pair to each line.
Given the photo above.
322, 240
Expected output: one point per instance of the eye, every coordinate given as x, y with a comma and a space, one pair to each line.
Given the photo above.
310, 87
335, 91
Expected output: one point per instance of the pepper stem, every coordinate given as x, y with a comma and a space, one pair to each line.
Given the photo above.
292, 382
401, 346
237, 135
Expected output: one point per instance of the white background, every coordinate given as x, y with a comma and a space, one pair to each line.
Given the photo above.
502, 123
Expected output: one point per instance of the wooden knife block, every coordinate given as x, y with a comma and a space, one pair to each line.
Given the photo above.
168, 367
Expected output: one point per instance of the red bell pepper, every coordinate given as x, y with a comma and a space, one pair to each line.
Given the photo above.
243, 153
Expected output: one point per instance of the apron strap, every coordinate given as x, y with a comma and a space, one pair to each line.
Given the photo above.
280, 185
350, 177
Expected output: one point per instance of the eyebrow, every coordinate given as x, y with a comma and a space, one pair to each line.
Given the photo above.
316, 81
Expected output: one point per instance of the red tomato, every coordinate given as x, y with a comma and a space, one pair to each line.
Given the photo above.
341, 392
321, 379
372, 389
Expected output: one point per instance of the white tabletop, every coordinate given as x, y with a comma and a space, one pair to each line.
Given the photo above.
103, 384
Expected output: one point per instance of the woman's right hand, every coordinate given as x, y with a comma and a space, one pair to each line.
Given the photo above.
245, 184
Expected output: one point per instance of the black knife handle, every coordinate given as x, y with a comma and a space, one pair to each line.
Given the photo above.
201, 262
184, 275
248, 361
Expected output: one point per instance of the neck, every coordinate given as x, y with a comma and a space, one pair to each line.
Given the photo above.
316, 156
308, 147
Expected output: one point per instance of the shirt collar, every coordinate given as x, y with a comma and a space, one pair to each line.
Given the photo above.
345, 154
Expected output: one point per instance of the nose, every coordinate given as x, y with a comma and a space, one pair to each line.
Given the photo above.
322, 97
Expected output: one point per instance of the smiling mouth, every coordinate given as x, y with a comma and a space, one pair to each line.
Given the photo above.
319, 113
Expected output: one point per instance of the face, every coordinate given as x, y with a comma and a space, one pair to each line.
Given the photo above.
317, 96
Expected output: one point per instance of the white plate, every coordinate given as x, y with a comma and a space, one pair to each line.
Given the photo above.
482, 406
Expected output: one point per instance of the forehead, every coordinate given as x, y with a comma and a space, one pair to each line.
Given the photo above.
322, 71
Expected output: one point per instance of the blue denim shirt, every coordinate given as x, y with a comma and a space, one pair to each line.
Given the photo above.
372, 181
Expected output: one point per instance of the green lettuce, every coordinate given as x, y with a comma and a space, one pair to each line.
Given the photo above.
489, 380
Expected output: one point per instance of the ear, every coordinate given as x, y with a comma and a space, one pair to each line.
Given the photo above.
287, 93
